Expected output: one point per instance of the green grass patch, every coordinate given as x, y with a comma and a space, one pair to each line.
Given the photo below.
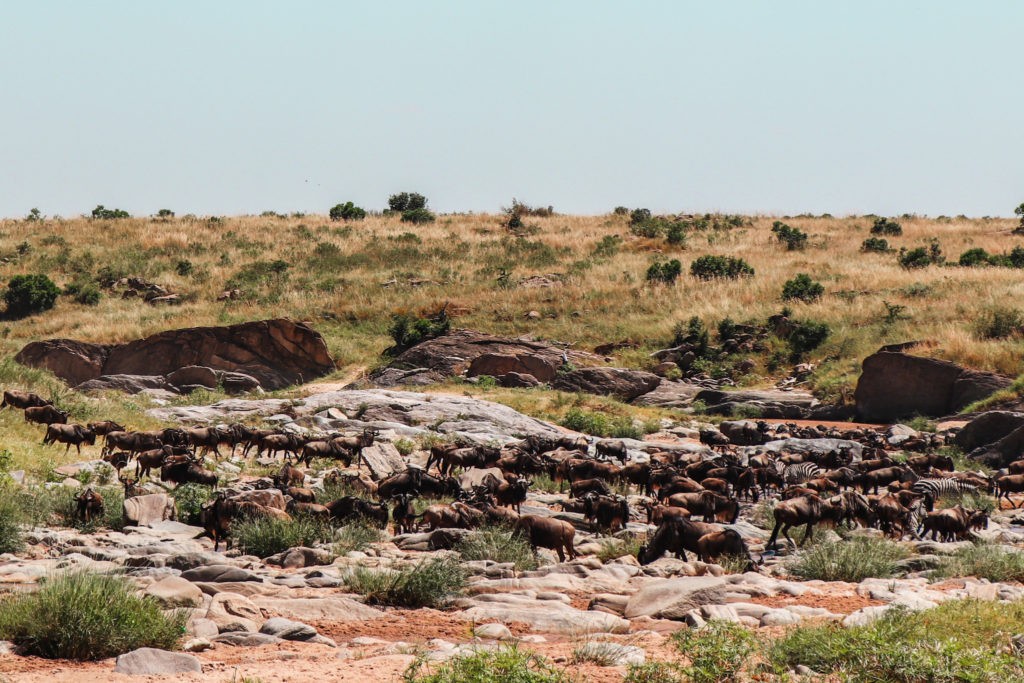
985, 561
429, 583
358, 535
717, 653
852, 560
507, 664
85, 616
612, 548
498, 544
264, 537
958, 641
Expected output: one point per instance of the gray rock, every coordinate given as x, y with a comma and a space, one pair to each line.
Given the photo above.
673, 598
145, 510
174, 591
492, 632
287, 629
247, 639
147, 661
217, 573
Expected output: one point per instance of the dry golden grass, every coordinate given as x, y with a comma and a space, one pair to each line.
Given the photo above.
462, 256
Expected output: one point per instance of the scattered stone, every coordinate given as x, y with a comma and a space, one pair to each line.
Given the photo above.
147, 661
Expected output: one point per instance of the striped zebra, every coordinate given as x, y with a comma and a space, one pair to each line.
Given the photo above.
800, 472
933, 489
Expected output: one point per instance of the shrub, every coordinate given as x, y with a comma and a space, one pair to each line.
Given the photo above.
406, 201
599, 424
347, 212
184, 267
793, 238
85, 616
717, 652
429, 583
359, 535
921, 257
608, 246
30, 294
1019, 211
639, 216
259, 273
1015, 259
709, 267
165, 213
264, 537
620, 210
878, 245
108, 214
507, 664
676, 234
852, 560
999, 323
807, 336
802, 287
498, 544
667, 272
650, 228
34, 215
418, 216
85, 293
654, 672
960, 640
12, 516
693, 333
189, 500
984, 561
884, 226
975, 257
408, 331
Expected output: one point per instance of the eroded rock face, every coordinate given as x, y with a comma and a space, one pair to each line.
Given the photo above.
619, 382
894, 385
276, 353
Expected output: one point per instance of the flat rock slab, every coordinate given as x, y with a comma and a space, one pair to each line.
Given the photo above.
174, 591
315, 609
673, 598
288, 629
218, 573
383, 459
247, 639
549, 616
147, 661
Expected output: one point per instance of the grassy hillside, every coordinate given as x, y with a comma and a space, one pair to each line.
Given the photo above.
349, 278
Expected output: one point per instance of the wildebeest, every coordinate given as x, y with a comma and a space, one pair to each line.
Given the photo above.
809, 510
1007, 484
69, 435
104, 427
89, 505
187, 472
46, 415
23, 400
675, 535
132, 442
154, 458
403, 514
217, 516
273, 444
350, 508
612, 449
131, 487
725, 542
952, 523
457, 515
289, 476
301, 495
118, 460
206, 439
547, 532
584, 486
608, 513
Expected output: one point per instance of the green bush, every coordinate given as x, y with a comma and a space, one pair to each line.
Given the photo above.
165, 213
418, 216
498, 544
976, 257
709, 267
717, 652
358, 535
984, 561
12, 516
109, 214
875, 244
608, 246
29, 294
408, 331
184, 267
803, 288
884, 226
406, 201
429, 583
851, 560
85, 616
654, 672
999, 323
507, 664
347, 212
793, 238
620, 210
189, 500
639, 216
264, 536
920, 257
807, 336
960, 640
259, 273
693, 333
676, 234
599, 424
85, 293
667, 272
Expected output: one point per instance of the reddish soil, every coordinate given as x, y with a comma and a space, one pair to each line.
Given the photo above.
837, 604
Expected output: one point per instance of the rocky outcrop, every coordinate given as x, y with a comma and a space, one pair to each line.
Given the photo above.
275, 353
895, 385
766, 403
988, 428
475, 353
622, 383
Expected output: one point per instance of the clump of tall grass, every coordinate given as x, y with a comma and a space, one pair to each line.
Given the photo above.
851, 560
86, 616
507, 664
984, 561
266, 536
358, 535
498, 544
429, 583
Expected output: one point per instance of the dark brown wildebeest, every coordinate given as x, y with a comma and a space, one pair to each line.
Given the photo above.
353, 445
1007, 484
454, 516
953, 523
131, 487
118, 460
679, 485
547, 532
612, 449
714, 507
675, 535
883, 476
923, 463
608, 513
23, 400
89, 505
508, 493
351, 508
300, 494
132, 442
104, 427
289, 444
188, 472
45, 415
809, 510
205, 440
289, 476
403, 514
217, 515
299, 508
584, 486
725, 542
154, 458
69, 435
657, 513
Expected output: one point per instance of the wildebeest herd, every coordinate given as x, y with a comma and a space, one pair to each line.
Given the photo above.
691, 496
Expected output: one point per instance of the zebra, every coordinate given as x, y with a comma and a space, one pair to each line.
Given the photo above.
800, 473
933, 489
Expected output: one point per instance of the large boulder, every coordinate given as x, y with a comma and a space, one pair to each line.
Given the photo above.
894, 385
766, 403
673, 598
148, 661
988, 428
1004, 451
622, 383
276, 353
455, 353
145, 510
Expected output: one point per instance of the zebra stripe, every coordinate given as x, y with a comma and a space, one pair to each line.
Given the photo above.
936, 488
800, 473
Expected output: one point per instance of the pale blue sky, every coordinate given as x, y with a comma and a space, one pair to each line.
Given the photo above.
234, 107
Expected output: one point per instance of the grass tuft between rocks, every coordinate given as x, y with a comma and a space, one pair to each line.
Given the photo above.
508, 664
984, 561
264, 537
428, 583
851, 560
498, 544
87, 616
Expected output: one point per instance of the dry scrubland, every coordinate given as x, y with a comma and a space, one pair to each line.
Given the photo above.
337, 276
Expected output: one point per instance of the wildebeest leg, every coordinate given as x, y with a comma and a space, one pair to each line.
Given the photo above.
808, 534
785, 533
775, 535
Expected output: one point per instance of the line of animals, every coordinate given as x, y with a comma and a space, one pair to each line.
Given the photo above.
690, 498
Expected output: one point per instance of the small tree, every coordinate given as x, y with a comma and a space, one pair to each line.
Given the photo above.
406, 201
802, 288
36, 215
418, 216
29, 294
666, 272
793, 238
165, 213
709, 267
638, 216
1019, 211
875, 244
884, 226
347, 212
975, 257
109, 214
